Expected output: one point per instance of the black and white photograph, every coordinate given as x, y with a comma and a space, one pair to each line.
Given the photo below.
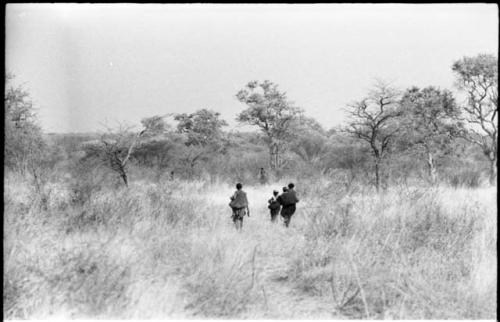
210, 161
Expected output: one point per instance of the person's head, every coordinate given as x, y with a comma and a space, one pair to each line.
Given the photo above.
291, 186
275, 192
285, 189
239, 186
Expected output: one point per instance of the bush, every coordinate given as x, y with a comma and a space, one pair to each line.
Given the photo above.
468, 178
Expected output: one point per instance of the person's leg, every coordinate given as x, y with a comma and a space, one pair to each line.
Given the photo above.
286, 220
274, 213
291, 211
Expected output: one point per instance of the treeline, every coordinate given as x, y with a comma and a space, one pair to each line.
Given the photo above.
391, 136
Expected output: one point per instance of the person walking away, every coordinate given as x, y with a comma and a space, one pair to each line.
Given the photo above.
288, 201
274, 206
239, 205
262, 176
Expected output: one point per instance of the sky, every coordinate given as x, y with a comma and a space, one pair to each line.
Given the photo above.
86, 65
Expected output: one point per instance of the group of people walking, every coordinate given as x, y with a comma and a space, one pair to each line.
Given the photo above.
283, 204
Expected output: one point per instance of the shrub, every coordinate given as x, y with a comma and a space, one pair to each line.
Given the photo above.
468, 178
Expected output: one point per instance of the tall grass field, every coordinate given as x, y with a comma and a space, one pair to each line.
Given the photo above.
170, 250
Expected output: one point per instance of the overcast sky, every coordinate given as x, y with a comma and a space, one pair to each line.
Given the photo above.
84, 64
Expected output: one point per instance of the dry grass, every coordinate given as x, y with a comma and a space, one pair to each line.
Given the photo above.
169, 250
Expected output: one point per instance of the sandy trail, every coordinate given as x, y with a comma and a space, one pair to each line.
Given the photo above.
275, 247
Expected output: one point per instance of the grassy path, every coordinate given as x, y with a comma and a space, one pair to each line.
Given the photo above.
274, 252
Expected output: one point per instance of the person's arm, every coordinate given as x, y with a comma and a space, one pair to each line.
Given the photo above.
246, 201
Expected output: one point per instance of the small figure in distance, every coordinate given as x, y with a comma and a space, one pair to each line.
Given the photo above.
274, 206
288, 200
262, 176
239, 205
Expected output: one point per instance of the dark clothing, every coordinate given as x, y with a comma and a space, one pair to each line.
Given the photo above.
274, 214
273, 203
287, 213
288, 200
274, 207
288, 210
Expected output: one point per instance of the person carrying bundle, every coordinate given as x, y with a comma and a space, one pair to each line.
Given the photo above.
274, 206
288, 199
239, 205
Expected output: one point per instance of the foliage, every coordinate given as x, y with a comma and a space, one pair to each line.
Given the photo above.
113, 149
478, 77
24, 143
269, 110
155, 125
204, 127
375, 120
309, 140
429, 122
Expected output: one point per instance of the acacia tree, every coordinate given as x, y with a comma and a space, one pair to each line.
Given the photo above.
113, 149
204, 136
478, 77
374, 120
203, 127
158, 146
429, 122
309, 140
23, 136
25, 150
269, 109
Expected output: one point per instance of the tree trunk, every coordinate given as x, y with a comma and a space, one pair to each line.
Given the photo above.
271, 157
123, 175
377, 174
493, 170
431, 167
277, 158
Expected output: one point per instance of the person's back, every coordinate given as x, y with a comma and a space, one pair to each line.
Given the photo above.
274, 205
262, 176
292, 196
288, 200
239, 205
279, 198
239, 200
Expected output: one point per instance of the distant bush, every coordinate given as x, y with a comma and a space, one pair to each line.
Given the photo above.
468, 178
